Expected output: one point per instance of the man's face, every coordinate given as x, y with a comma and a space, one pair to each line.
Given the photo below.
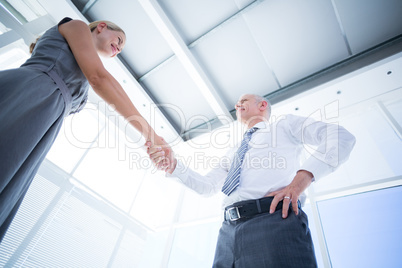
247, 108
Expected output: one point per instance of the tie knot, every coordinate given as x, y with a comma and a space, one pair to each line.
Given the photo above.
251, 131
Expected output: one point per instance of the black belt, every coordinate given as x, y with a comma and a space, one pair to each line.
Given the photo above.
249, 208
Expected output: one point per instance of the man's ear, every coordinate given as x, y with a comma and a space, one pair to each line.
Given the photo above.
263, 105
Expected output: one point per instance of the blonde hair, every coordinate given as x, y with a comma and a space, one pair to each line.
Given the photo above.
32, 45
92, 26
110, 25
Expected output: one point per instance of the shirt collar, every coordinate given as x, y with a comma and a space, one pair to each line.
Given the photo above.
261, 125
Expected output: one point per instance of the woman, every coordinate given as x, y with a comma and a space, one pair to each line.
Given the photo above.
53, 83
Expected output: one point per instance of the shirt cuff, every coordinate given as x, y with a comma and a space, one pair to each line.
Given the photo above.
179, 172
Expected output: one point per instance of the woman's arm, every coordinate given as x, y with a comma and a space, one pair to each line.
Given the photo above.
79, 38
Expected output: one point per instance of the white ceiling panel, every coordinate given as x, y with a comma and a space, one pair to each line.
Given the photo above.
234, 61
193, 18
297, 38
145, 48
179, 96
369, 23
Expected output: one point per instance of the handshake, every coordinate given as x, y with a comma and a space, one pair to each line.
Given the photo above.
162, 156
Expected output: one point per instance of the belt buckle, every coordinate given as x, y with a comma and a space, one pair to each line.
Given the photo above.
230, 215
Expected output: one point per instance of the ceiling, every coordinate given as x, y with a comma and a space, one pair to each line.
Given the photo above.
195, 58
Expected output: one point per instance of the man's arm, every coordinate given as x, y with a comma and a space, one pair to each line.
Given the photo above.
333, 146
206, 185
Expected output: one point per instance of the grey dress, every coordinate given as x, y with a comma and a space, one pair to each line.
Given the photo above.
34, 99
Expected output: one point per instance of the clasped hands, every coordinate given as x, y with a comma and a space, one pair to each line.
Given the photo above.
162, 156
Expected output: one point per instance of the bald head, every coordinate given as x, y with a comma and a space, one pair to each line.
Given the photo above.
252, 108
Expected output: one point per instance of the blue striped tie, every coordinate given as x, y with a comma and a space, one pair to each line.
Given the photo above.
232, 180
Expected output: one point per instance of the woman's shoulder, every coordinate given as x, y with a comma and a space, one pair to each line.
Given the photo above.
66, 19
73, 24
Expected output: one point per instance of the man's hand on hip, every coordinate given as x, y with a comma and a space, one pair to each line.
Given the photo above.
291, 193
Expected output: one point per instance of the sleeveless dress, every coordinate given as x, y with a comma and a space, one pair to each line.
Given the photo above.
34, 99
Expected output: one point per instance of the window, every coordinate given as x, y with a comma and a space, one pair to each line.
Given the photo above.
364, 230
24, 10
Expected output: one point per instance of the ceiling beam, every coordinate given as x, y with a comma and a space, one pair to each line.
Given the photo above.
342, 68
176, 43
347, 66
12, 22
204, 36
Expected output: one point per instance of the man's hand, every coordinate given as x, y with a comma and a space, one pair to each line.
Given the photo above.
162, 156
291, 193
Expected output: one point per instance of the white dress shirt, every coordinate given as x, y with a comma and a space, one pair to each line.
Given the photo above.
274, 157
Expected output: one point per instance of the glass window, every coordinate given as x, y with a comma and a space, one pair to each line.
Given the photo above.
109, 169
194, 246
24, 10
364, 230
395, 108
76, 136
157, 201
3, 28
13, 55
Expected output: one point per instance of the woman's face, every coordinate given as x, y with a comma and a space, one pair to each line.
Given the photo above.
108, 43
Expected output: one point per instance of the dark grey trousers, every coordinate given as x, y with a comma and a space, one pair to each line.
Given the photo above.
266, 240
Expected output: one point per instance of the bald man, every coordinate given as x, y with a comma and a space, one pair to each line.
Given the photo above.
264, 184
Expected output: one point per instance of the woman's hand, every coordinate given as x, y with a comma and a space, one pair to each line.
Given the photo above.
161, 154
